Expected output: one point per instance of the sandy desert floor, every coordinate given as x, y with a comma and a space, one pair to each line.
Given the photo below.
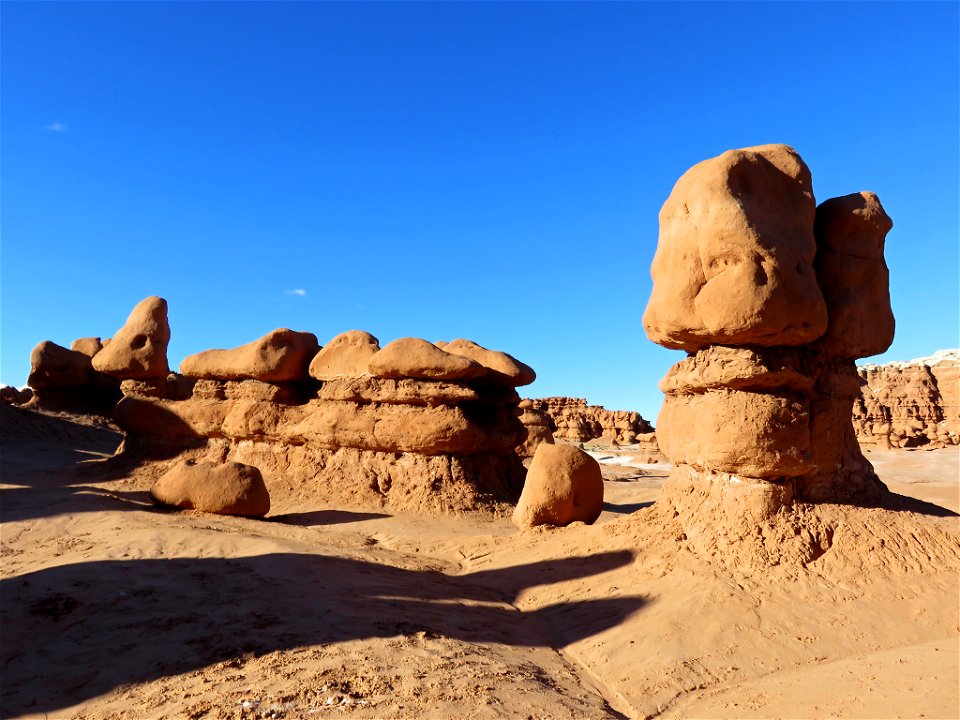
114, 608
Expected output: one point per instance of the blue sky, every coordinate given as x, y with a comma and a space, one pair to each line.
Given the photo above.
490, 171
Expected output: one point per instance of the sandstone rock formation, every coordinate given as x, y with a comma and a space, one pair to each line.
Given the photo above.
138, 350
575, 420
407, 426
89, 346
735, 255
563, 485
279, 356
346, 355
539, 427
229, 488
913, 404
64, 379
773, 299
15, 396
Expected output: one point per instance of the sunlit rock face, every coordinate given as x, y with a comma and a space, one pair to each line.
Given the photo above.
773, 298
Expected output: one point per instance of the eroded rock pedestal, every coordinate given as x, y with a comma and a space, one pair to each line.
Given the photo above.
773, 298
408, 426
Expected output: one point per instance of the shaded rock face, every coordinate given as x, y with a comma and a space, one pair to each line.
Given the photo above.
64, 379
563, 485
229, 488
15, 396
573, 419
138, 350
912, 404
773, 300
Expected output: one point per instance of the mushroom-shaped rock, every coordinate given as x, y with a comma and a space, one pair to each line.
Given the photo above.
504, 367
53, 366
563, 485
734, 262
225, 489
416, 358
851, 232
346, 355
279, 356
89, 346
138, 350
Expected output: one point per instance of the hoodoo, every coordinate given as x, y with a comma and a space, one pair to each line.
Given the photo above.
773, 299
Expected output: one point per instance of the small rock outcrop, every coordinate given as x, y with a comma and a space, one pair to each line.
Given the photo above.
228, 488
64, 379
138, 350
773, 299
279, 356
15, 396
575, 420
539, 427
913, 404
563, 485
89, 346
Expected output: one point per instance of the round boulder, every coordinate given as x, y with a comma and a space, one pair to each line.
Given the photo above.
229, 488
563, 485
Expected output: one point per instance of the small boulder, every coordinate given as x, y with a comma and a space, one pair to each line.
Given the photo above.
563, 485
229, 488
139, 349
279, 356
415, 358
346, 355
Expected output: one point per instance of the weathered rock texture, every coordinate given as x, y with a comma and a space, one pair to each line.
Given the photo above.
138, 350
279, 356
773, 299
910, 404
407, 426
229, 488
539, 427
575, 420
563, 485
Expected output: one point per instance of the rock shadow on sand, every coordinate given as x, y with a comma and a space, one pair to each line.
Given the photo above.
74, 632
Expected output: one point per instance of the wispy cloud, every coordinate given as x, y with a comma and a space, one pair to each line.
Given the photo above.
56, 127
299, 292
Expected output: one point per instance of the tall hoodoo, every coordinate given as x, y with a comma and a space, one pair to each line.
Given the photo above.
773, 299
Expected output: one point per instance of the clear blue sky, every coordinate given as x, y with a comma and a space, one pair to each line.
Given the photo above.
489, 171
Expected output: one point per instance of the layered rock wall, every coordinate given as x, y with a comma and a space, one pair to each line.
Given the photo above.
910, 404
575, 420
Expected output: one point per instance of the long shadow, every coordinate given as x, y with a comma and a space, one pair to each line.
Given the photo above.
326, 517
626, 508
51, 460
904, 503
73, 632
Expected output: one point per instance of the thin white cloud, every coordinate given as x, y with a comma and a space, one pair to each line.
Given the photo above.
56, 127
299, 292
